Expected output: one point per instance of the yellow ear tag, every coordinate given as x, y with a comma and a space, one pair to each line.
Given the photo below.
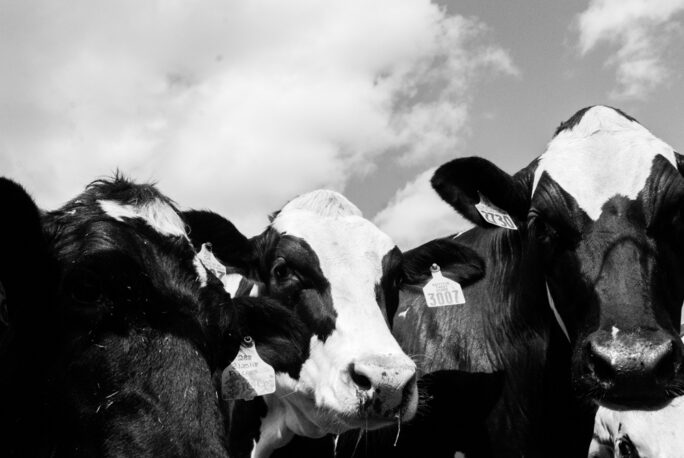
248, 375
494, 215
442, 291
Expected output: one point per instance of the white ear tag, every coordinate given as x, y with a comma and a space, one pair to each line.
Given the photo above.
210, 262
494, 215
441, 291
248, 375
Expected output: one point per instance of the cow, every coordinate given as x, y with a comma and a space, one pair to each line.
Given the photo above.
601, 206
593, 234
118, 334
629, 433
339, 274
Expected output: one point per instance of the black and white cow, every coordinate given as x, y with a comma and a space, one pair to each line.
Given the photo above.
119, 335
339, 274
602, 208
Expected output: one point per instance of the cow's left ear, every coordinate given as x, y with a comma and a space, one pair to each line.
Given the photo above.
461, 182
457, 262
228, 243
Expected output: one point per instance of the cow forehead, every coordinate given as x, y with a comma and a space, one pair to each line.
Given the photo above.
340, 240
604, 155
156, 213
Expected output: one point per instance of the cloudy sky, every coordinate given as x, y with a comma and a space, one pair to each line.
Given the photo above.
239, 105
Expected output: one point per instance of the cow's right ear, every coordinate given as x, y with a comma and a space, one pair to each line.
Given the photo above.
27, 267
461, 182
229, 245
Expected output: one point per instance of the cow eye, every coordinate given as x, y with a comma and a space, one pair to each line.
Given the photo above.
281, 271
542, 230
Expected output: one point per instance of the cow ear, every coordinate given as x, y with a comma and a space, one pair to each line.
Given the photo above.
26, 259
680, 162
229, 245
461, 182
457, 262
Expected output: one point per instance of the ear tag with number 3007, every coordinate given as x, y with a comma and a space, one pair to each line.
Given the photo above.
442, 291
494, 215
248, 375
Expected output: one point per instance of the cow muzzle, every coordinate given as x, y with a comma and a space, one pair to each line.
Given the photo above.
386, 387
640, 367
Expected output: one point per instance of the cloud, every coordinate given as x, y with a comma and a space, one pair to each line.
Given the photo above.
640, 32
236, 106
416, 214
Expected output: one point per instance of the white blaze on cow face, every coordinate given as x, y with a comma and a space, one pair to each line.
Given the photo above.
157, 213
604, 155
350, 250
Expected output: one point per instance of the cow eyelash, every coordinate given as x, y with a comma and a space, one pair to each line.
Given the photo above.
281, 271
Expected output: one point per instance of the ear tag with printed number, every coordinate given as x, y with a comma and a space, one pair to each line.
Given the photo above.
248, 375
206, 256
442, 291
494, 215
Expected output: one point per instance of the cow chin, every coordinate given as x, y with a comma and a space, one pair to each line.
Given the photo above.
315, 415
331, 397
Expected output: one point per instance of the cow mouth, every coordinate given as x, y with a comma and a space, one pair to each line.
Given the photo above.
361, 415
633, 394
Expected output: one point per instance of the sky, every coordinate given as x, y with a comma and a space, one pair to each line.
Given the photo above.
240, 105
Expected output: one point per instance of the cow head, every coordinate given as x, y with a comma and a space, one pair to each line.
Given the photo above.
332, 268
143, 329
602, 209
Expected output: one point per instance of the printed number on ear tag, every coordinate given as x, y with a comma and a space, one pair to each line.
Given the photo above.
442, 291
494, 215
248, 375
210, 262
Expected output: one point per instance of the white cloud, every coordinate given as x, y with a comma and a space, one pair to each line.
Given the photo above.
231, 105
641, 32
416, 214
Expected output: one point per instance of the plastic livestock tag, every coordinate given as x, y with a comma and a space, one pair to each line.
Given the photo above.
442, 291
494, 215
210, 262
248, 375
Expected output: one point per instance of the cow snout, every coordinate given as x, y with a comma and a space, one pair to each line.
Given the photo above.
387, 384
633, 366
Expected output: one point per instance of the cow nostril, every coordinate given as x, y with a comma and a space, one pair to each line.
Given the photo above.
665, 362
361, 380
408, 388
599, 365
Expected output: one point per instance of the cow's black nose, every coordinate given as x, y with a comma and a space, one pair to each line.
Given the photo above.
651, 359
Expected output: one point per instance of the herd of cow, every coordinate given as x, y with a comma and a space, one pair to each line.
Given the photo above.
550, 329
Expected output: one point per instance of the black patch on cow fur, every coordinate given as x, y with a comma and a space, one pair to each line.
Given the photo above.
305, 299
